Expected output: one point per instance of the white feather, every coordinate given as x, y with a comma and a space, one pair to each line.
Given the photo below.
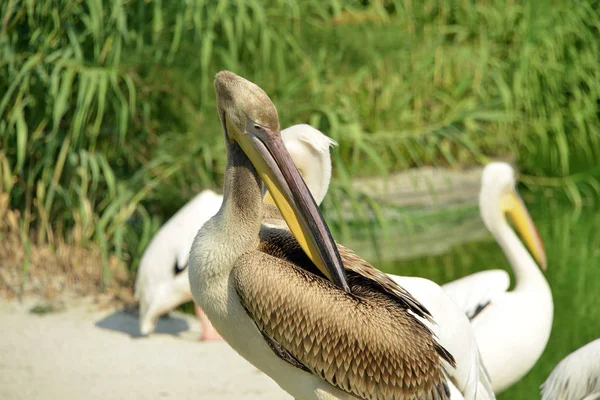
455, 334
309, 149
478, 290
576, 377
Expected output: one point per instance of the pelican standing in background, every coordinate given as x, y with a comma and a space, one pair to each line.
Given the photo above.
512, 327
315, 317
160, 285
162, 281
576, 377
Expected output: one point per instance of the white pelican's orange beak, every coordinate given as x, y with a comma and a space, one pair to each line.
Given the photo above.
515, 209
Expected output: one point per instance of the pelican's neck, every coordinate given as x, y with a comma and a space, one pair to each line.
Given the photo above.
234, 229
242, 191
242, 196
527, 272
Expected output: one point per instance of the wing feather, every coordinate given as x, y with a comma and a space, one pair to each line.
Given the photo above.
577, 376
366, 343
475, 292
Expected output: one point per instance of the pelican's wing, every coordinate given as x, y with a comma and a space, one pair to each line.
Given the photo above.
190, 219
455, 333
366, 343
593, 396
474, 292
577, 376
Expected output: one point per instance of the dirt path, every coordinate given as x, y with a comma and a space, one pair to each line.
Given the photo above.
86, 353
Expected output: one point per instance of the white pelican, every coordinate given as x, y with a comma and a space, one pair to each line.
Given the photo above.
576, 377
160, 284
315, 317
511, 327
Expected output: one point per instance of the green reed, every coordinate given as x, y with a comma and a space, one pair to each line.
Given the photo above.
107, 114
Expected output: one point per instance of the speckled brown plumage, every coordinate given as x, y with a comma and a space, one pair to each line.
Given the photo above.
271, 212
366, 343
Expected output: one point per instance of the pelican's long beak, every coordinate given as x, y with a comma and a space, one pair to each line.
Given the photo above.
268, 198
287, 189
515, 209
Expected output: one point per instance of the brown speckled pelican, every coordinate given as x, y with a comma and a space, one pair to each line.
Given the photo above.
320, 321
162, 281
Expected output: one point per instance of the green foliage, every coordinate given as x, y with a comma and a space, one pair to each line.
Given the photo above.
107, 121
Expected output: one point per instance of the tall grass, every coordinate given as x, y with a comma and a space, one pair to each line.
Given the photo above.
107, 120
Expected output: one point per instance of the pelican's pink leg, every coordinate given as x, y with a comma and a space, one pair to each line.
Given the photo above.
208, 331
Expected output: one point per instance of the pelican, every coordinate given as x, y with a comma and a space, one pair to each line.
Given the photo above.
161, 284
576, 377
512, 327
314, 316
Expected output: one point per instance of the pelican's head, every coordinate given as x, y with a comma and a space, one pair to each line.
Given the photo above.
249, 118
161, 298
244, 107
157, 289
309, 148
499, 199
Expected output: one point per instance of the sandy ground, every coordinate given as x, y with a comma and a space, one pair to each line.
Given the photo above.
87, 353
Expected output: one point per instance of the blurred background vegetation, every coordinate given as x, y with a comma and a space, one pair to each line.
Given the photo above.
108, 122
107, 114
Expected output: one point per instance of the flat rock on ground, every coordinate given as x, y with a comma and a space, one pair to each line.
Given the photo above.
423, 187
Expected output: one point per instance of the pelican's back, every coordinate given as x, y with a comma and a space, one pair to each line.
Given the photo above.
576, 377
